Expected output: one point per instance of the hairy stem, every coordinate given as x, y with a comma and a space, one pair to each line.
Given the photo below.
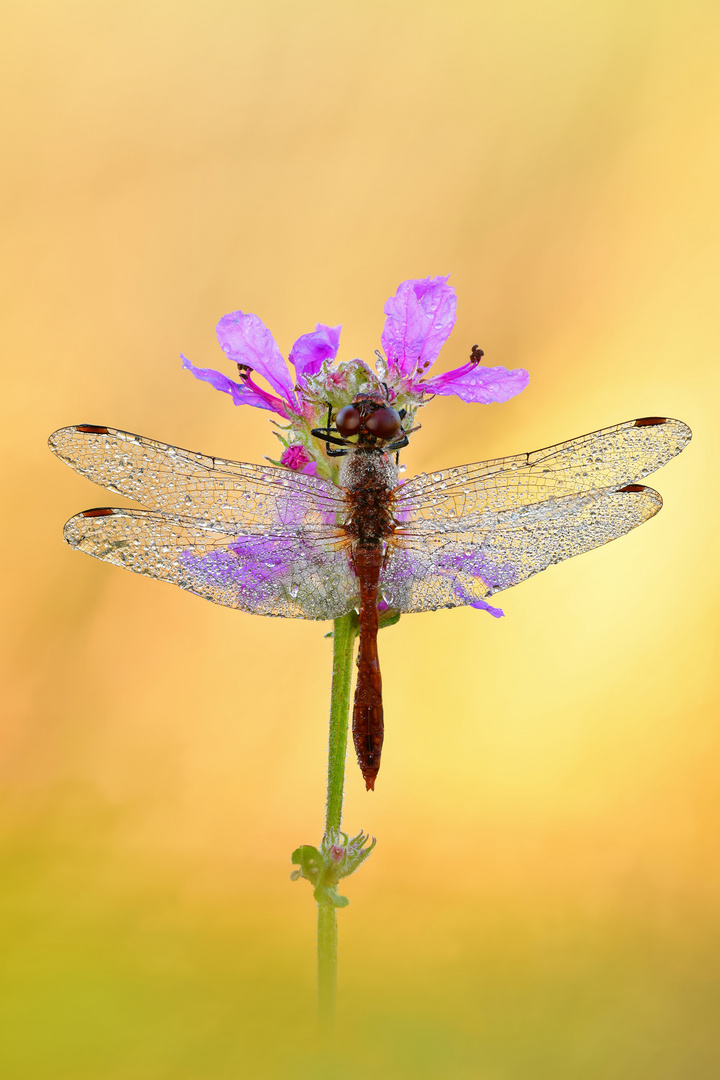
327, 963
344, 634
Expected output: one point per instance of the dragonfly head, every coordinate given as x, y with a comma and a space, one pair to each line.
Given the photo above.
370, 420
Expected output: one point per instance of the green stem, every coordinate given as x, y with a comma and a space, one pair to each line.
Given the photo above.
344, 634
327, 963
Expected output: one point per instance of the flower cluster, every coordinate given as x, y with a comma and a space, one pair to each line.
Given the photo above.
338, 857
419, 318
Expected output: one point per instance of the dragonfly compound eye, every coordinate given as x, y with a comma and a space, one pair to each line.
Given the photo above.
347, 421
384, 423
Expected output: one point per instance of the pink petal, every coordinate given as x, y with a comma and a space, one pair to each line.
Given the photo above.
262, 399
311, 350
476, 383
250, 563
245, 393
420, 317
247, 340
295, 457
469, 600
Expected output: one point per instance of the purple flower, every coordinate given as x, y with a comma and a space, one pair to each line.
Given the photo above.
460, 570
249, 344
478, 565
420, 317
477, 384
310, 351
469, 600
249, 564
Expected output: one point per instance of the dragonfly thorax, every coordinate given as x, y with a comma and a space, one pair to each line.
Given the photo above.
369, 477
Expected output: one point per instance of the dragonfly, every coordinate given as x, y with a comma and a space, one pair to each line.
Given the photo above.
275, 542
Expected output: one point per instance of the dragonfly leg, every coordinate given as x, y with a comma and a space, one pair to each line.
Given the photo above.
321, 433
403, 439
329, 439
324, 434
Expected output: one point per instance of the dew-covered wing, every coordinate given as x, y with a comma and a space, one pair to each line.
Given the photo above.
603, 460
298, 572
430, 567
174, 481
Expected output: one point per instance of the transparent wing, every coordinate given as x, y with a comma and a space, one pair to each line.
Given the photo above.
450, 567
175, 481
606, 459
253, 537
293, 572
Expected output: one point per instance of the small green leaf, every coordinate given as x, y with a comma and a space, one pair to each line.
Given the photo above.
388, 618
310, 861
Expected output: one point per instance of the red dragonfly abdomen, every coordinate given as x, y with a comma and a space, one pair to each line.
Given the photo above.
368, 724
369, 477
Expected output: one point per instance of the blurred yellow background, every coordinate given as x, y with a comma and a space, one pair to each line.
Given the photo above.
543, 899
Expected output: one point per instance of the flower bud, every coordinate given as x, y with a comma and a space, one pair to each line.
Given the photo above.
338, 857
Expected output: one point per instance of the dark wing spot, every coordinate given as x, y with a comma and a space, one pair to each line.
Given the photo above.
649, 421
632, 487
91, 429
101, 511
